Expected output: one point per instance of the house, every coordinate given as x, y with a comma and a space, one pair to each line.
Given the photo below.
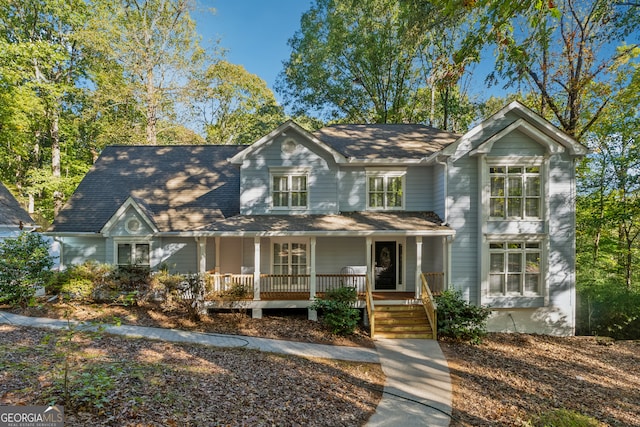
395, 210
13, 218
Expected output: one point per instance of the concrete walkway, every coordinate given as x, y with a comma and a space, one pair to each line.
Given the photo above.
417, 391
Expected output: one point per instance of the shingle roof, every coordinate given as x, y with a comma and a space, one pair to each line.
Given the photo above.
369, 221
385, 141
183, 187
11, 213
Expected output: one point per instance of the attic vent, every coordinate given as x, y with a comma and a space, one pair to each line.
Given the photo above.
132, 226
289, 146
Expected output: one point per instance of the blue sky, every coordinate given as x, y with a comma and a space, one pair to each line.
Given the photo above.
254, 32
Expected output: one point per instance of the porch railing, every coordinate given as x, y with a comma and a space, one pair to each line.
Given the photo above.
429, 306
435, 281
285, 286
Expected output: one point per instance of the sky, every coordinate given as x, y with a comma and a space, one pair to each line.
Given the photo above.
254, 32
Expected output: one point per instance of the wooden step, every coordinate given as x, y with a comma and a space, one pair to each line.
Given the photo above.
401, 321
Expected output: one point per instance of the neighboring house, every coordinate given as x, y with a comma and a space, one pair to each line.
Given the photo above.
13, 218
490, 213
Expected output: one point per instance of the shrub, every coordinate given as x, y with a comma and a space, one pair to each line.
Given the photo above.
564, 418
459, 320
81, 281
25, 264
337, 310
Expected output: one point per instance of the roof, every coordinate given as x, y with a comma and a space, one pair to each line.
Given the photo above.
368, 222
385, 141
180, 188
11, 213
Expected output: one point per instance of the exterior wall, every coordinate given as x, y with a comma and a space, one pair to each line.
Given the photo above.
179, 253
76, 250
231, 255
552, 312
255, 185
352, 185
437, 181
463, 217
335, 253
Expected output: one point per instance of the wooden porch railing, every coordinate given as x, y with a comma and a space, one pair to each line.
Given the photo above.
280, 286
429, 306
435, 281
371, 308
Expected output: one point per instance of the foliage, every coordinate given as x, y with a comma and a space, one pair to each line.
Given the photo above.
337, 310
25, 264
564, 418
234, 106
370, 61
193, 290
80, 281
458, 319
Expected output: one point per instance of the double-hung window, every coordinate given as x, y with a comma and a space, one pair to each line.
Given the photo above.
515, 268
133, 254
515, 192
385, 190
290, 265
289, 190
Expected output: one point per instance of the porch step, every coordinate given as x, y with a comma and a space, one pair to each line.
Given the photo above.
401, 321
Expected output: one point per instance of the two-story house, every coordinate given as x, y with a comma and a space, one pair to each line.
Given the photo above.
384, 208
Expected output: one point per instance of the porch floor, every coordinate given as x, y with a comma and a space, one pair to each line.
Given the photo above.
298, 296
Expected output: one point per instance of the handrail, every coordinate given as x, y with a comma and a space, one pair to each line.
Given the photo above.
429, 306
370, 307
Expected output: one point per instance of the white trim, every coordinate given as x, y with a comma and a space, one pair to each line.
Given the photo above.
121, 212
401, 282
527, 128
282, 130
289, 173
386, 174
133, 240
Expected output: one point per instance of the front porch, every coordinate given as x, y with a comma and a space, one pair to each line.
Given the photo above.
391, 314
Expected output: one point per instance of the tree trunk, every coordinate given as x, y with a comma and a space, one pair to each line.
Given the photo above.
58, 196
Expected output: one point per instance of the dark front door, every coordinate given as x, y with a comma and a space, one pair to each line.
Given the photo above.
385, 265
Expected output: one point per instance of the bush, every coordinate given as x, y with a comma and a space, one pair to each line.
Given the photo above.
564, 418
25, 264
337, 310
81, 281
459, 320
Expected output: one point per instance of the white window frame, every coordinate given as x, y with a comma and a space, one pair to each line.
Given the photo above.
289, 264
134, 244
289, 174
523, 249
517, 162
386, 175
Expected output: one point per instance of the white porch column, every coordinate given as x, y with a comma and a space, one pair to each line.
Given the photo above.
312, 272
256, 268
202, 254
217, 243
418, 266
369, 267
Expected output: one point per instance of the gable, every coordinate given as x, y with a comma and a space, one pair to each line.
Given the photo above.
129, 220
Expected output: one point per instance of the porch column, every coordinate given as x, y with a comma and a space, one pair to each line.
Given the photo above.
369, 268
218, 286
202, 254
256, 268
418, 266
312, 314
312, 272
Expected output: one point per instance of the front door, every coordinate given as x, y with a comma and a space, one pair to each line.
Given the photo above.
385, 268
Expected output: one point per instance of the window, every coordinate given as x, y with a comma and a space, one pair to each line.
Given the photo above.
385, 191
515, 192
514, 269
290, 258
289, 191
133, 254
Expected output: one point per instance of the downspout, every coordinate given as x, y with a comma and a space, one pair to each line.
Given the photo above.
448, 241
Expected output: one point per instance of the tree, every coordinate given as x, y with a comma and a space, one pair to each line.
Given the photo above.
233, 105
364, 61
155, 43
561, 50
24, 265
43, 64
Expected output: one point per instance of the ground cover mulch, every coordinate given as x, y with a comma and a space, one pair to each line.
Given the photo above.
115, 381
510, 378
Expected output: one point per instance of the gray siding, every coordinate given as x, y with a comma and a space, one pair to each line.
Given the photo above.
255, 185
180, 254
352, 189
334, 253
463, 217
516, 144
76, 250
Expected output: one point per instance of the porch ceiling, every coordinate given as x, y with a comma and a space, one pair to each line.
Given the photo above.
413, 223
